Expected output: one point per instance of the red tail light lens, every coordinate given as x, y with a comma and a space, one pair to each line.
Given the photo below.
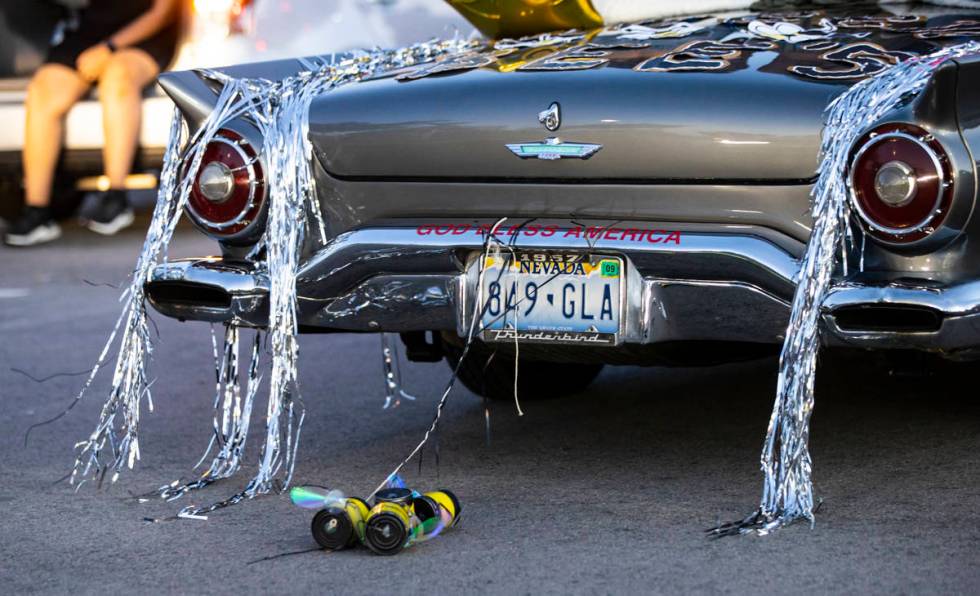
228, 188
901, 183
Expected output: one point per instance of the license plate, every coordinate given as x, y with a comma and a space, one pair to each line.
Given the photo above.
551, 298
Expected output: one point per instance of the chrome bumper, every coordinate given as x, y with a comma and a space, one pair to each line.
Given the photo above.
716, 286
711, 285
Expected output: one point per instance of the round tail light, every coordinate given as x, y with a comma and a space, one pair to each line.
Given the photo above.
228, 188
901, 183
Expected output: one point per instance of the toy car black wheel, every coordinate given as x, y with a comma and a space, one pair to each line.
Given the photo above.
332, 528
491, 375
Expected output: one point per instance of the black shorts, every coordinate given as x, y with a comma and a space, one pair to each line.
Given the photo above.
161, 47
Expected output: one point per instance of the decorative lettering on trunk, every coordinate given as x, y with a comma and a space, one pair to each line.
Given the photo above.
592, 234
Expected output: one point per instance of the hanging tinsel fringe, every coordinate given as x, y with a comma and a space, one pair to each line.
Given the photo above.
787, 493
232, 414
491, 245
394, 391
280, 111
130, 383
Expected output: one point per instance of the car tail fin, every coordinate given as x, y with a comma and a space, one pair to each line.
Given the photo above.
196, 94
968, 101
194, 97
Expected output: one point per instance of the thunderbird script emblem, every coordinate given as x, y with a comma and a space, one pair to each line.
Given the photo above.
553, 148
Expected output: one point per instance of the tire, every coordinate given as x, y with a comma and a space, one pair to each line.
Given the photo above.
536, 380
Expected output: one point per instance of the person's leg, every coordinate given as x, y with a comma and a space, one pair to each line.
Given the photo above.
121, 94
54, 89
51, 93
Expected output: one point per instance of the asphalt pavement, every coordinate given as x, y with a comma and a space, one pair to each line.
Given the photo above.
604, 492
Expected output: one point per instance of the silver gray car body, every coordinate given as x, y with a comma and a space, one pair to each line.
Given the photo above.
712, 135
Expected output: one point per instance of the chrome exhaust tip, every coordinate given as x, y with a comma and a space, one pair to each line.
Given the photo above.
905, 314
883, 318
211, 290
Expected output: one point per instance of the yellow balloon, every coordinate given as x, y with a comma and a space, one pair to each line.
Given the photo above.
498, 19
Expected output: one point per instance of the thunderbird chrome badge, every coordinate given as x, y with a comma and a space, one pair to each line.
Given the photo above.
553, 148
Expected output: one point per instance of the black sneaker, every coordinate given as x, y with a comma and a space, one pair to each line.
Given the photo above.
110, 213
34, 226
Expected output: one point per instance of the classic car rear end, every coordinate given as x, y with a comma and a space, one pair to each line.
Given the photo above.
646, 186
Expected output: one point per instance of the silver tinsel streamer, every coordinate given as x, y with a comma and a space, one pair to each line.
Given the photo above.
280, 111
490, 246
232, 414
393, 372
130, 382
787, 493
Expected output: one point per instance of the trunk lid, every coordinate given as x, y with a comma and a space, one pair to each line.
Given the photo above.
736, 99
